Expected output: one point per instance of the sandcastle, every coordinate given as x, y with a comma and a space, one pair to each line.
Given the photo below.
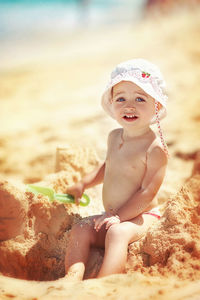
34, 232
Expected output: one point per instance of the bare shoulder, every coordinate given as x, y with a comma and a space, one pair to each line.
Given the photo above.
156, 155
114, 134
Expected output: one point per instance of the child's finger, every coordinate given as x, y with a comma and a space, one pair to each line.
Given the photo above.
112, 221
97, 222
99, 219
98, 227
108, 224
77, 200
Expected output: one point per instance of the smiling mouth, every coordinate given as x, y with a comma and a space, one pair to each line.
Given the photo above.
130, 118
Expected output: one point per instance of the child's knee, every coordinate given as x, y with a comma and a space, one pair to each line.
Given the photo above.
116, 233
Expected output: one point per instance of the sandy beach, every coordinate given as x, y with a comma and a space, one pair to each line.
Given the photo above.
53, 131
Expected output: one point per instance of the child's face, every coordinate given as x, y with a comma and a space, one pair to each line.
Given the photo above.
131, 105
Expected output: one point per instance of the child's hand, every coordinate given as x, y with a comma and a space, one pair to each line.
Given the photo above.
76, 190
106, 218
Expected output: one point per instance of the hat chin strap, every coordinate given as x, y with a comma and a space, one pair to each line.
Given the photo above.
165, 148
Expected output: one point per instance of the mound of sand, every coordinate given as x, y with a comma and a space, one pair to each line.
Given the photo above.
34, 232
13, 210
38, 252
171, 246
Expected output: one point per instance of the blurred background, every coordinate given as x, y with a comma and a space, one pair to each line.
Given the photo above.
24, 17
56, 57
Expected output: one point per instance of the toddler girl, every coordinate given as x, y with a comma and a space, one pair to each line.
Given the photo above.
131, 174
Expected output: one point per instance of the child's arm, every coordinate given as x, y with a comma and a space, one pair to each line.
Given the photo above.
156, 167
89, 180
95, 177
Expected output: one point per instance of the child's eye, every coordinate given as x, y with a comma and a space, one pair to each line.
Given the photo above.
139, 99
121, 99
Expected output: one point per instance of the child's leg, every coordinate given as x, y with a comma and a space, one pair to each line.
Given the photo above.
117, 239
82, 236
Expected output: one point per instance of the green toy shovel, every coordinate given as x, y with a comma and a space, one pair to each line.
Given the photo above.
52, 195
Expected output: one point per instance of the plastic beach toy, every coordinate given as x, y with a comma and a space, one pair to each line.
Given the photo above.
52, 195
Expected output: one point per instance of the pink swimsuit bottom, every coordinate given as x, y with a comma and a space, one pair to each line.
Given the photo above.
153, 212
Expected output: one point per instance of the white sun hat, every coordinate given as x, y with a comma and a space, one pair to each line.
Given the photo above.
145, 75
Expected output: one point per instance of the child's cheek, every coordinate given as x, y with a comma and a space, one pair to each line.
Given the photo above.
115, 109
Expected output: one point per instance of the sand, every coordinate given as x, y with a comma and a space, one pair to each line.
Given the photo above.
53, 133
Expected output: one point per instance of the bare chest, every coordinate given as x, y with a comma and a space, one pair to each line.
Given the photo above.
127, 160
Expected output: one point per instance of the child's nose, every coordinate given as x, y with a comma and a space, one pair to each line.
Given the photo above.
131, 104
130, 108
